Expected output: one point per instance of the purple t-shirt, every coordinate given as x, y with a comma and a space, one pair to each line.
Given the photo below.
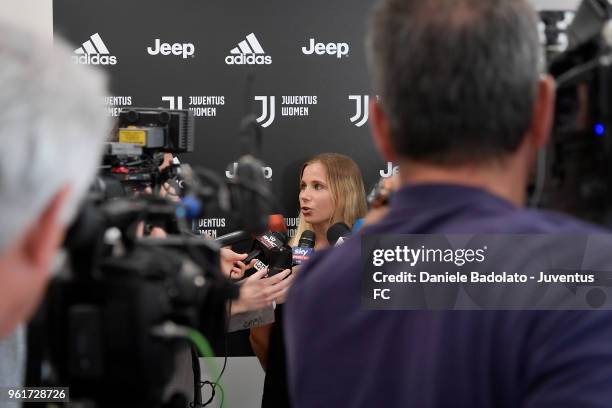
340, 355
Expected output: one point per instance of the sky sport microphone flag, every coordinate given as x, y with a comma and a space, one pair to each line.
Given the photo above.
305, 248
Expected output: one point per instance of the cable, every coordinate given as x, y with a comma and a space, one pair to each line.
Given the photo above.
203, 346
200, 342
170, 330
197, 375
217, 383
225, 344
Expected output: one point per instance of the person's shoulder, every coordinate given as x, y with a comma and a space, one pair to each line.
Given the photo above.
331, 264
483, 219
346, 251
555, 222
328, 279
528, 221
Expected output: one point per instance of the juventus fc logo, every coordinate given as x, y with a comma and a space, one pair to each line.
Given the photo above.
361, 114
268, 110
172, 99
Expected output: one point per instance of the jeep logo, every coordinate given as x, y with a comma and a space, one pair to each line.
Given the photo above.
390, 171
186, 49
338, 49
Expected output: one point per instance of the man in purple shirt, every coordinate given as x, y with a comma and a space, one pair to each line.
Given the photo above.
463, 109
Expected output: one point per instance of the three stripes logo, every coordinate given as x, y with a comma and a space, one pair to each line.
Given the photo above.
361, 113
94, 52
268, 110
248, 52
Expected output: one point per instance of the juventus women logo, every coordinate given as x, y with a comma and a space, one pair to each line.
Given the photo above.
268, 110
171, 100
361, 114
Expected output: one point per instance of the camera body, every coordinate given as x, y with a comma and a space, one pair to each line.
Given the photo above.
134, 158
125, 304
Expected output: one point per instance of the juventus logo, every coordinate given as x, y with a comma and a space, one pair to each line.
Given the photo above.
268, 110
361, 114
172, 99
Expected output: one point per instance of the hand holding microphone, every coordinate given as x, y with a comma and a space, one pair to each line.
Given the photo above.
232, 265
258, 292
262, 255
265, 244
270, 251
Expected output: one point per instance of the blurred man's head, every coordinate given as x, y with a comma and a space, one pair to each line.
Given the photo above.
459, 81
52, 125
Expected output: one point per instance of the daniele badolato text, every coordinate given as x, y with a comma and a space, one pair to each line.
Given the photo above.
437, 258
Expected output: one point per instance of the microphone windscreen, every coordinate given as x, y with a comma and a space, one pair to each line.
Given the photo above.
336, 231
307, 239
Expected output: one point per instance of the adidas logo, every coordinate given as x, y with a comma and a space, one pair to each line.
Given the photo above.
248, 52
94, 52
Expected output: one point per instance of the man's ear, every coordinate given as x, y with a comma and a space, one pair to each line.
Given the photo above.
543, 112
45, 235
381, 131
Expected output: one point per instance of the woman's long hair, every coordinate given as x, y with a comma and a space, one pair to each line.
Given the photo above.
346, 186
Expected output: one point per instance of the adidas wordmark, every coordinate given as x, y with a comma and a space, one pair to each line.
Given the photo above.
248, 52
94, 52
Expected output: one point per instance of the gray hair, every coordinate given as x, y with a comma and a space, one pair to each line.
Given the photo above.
457, 78
52, 125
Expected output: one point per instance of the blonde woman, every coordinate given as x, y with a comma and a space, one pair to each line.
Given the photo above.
331, 191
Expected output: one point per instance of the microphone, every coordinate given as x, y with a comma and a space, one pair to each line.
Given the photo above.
280, 260
262, 245
265, 243
304, 249
338, 233
232, 238
276, 222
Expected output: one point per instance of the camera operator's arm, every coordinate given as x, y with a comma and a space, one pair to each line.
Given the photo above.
153, 232
258, 292
169, 192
